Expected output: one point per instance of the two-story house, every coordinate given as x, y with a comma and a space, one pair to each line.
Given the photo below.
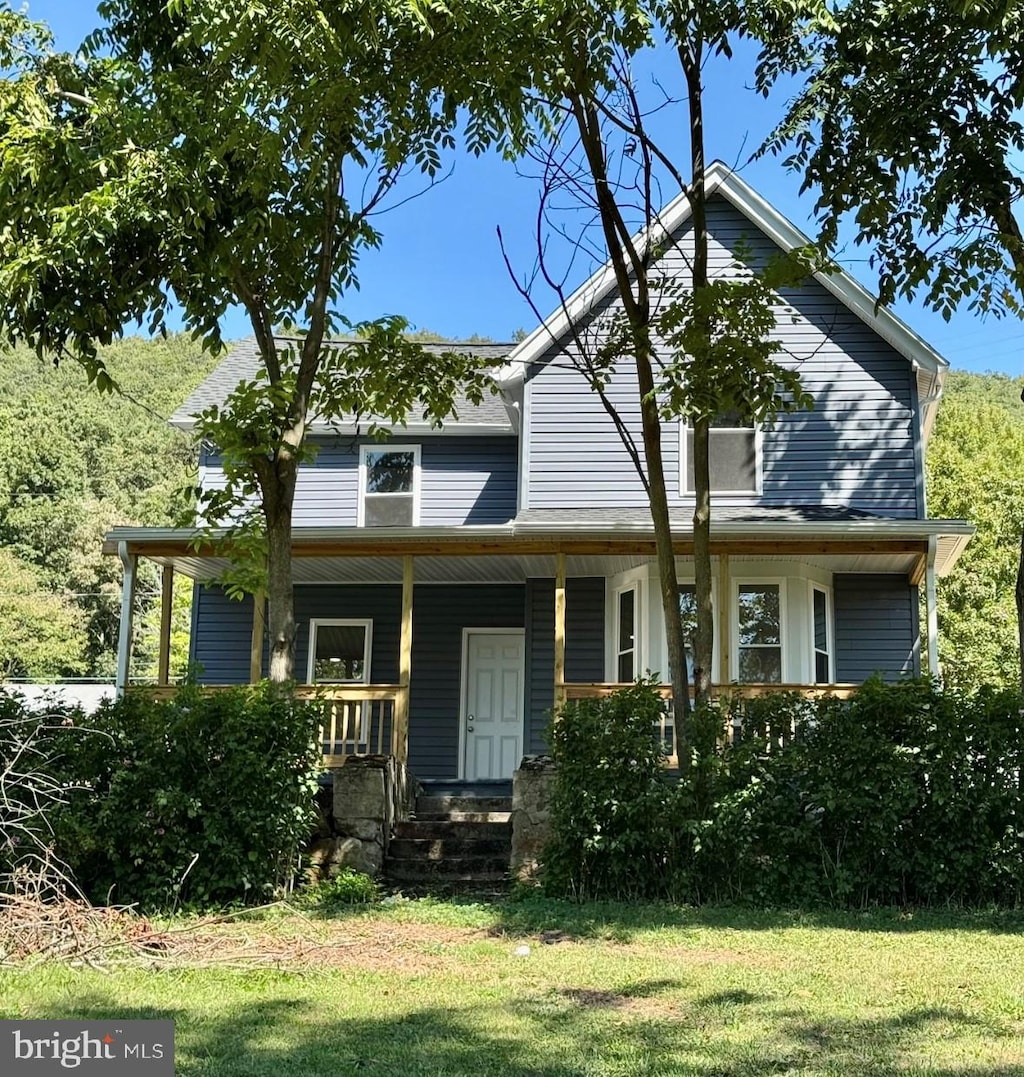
452, 584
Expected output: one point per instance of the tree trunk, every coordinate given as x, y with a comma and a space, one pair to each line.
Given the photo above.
278, 498
668, 580
1020, 610
703, 647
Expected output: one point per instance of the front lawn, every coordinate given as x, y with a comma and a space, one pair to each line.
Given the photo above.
537, 989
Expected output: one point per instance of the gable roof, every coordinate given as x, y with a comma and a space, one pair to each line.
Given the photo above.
492, 415
928, 365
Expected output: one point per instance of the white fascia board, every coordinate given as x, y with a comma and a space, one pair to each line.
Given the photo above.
720, 179
347, 429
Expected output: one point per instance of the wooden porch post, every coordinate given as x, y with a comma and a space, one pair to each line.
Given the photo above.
259, 625
724, 604
932, 610
124, 636
401, 732
559, 630
163, 664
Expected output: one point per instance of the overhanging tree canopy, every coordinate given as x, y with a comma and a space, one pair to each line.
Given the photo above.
201, 155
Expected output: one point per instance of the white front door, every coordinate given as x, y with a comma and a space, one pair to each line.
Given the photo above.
492, 705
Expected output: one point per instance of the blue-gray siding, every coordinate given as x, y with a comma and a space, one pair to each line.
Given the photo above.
858, 447
584, 645
465, 480
221, 640
876, 627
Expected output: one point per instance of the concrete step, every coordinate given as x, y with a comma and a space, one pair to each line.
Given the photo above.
441, 805
464, 817
452, 869
442, 828
449, 847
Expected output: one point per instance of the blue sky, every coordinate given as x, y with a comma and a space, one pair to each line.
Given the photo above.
441, 266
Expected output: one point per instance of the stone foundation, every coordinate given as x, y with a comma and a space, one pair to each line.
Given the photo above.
532, 786
368, 795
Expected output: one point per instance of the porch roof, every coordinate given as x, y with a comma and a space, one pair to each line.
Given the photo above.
594, 545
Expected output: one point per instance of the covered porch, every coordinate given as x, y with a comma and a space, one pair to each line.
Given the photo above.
424, 592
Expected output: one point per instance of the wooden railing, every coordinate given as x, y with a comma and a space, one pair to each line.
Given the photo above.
359, 719
734, 721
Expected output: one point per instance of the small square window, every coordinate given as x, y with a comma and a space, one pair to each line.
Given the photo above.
339, 652
733, 456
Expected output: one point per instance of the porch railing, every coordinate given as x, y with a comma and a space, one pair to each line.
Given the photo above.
359, 719
734, 721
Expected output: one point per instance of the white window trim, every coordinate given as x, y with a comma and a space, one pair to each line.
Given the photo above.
417, 473
340, 622
830, 634
734, 617
758, 464
617, 650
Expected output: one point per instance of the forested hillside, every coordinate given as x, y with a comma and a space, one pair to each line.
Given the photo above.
73, 463
976, 472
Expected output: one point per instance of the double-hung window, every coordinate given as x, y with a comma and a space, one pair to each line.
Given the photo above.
389, 485
688, 620
625, 636
733, 456
759, 623
821, 625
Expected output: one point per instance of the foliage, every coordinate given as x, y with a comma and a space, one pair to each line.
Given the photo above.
609, 819
32, 740
206, 154
348, 887
930, 185
72, 465
199, 800
42, 637
906, 794
975, 464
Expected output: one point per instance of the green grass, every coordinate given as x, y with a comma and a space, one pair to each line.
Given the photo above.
438, 988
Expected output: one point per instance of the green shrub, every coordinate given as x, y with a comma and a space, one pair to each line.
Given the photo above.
348, 887
903, 794
201, 800
610, 802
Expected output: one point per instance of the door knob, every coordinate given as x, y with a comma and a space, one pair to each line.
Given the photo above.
469, 722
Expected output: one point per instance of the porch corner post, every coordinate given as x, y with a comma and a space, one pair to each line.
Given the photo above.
724, 605
932, 609
559, 630
401, 731
163, 665
259, 629
129, 561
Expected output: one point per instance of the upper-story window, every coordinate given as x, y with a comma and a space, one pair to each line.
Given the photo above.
389, 485
734, 456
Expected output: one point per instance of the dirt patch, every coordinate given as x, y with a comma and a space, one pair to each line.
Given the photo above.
308, 944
